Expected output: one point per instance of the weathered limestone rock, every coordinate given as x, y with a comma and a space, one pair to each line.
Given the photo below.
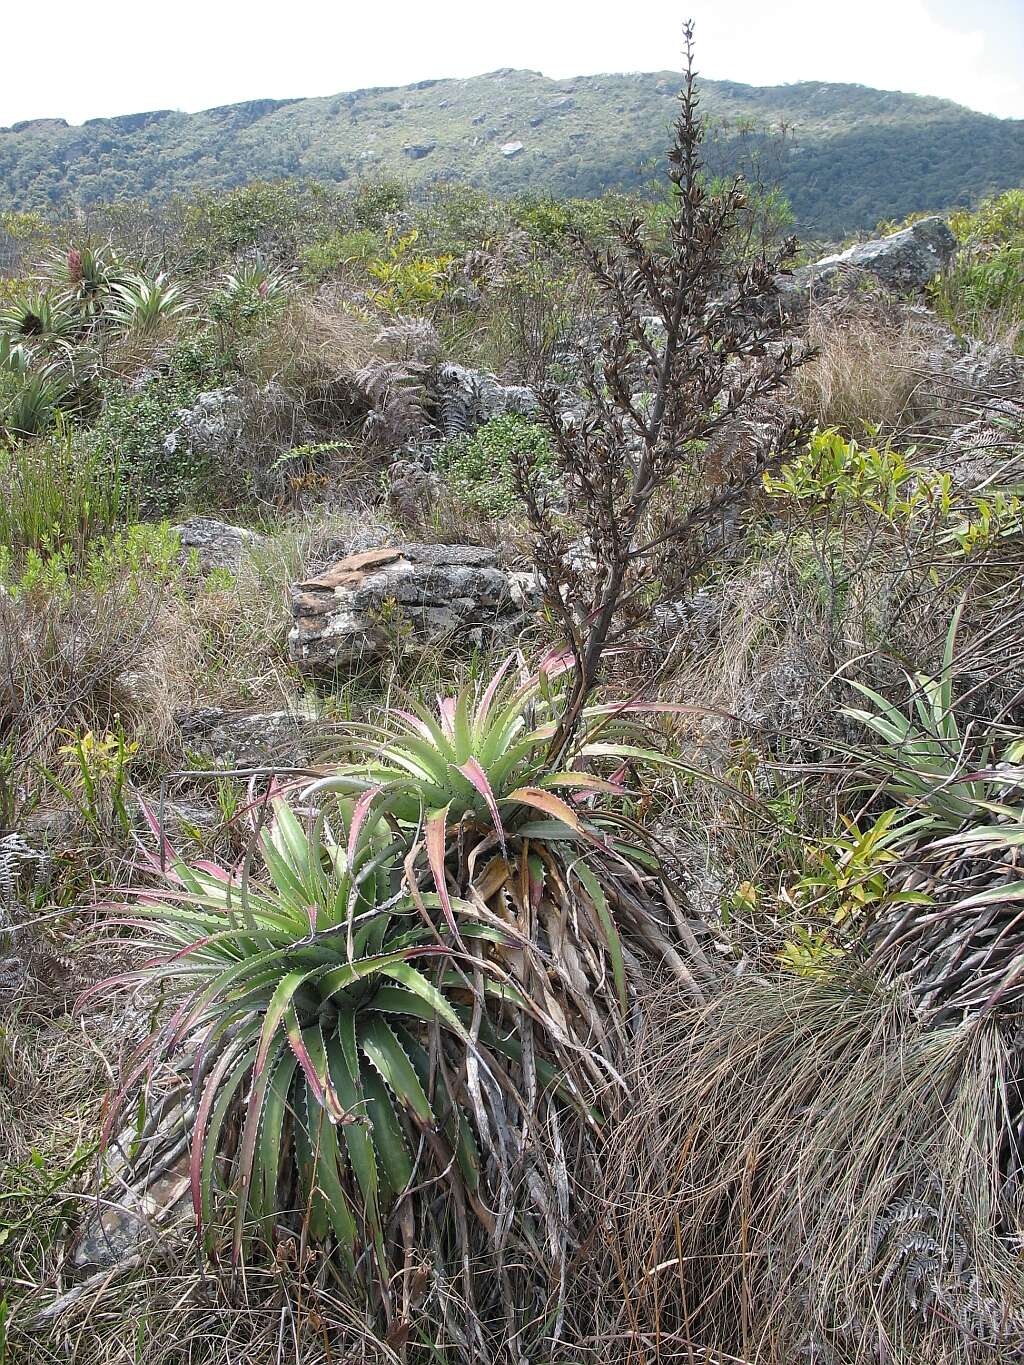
209, 428
121, 1225
902, 261
403, 596
247, 739
218, 544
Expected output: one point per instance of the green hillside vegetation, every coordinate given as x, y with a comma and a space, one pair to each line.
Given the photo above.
848, 155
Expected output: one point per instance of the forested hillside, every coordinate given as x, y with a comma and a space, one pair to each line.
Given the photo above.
846, 155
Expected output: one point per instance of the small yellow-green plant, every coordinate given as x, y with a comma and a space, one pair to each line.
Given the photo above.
407, 281
845, 879
989, 520
99, 767
833, 471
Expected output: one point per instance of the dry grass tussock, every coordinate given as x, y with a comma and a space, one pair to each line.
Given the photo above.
865, 373
775, 643
312, 343
807, 1173
83, 660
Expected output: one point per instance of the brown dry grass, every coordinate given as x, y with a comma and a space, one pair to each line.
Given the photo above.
312, 343
806, 1172
864, 373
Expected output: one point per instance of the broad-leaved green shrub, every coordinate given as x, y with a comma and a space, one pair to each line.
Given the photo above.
840, 473
322, 259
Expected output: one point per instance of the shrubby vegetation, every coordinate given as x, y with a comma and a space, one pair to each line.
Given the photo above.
644, 985
983, 293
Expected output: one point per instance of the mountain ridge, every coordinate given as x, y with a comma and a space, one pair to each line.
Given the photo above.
852, 154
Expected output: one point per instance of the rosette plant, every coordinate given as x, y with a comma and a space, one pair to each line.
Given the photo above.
295, 1062
400, 1024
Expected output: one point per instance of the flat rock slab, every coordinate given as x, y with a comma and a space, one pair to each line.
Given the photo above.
402, 597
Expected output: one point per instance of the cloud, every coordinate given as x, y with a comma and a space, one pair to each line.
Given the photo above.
891, 44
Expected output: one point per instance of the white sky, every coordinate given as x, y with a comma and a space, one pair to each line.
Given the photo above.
76, 61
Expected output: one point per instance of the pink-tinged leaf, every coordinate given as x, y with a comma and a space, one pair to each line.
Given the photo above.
246, 1155
189, 948
473, 772
359, 815
487, 700
223, 1065
220, 874
415, 723
311, 911
139, 1063
435, 836
556, 662
279, 1007
446, 710
161, 866
168, 852
294, 1031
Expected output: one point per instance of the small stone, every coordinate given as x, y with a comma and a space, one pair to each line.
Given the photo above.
511, 148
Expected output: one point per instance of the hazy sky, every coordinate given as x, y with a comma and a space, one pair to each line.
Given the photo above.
80, 61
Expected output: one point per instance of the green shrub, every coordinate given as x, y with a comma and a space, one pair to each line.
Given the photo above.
982, 292
479, 469
320, 260
833, 471
273, 217
129, 436
376, 203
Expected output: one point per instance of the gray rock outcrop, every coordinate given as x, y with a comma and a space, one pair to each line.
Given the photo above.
247, 739
465, 399
209, 428
901, 261
403, 597
217, 544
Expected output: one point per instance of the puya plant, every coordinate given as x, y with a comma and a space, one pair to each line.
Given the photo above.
420, 986
932, 767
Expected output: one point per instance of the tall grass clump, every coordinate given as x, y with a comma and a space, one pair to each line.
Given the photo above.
58, 496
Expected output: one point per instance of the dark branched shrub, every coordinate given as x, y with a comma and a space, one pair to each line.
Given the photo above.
689, 347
